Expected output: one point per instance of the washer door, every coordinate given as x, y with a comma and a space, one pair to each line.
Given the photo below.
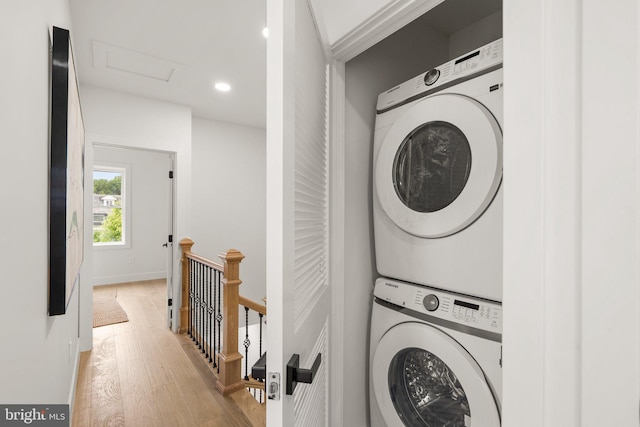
439, 166
423, 377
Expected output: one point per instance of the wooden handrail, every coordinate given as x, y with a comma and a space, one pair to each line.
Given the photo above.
262, 309
207, 262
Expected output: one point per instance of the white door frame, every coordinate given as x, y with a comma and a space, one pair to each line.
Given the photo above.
86, 299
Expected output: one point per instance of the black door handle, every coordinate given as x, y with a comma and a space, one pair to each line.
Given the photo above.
297, 375
165, 245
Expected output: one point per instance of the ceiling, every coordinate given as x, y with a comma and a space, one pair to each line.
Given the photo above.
175, 51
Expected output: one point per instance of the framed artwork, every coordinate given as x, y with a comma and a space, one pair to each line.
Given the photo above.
66, 176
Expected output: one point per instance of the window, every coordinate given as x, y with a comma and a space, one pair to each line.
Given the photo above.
109, 219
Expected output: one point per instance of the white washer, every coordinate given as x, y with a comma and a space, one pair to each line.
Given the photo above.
435, 358
437, 170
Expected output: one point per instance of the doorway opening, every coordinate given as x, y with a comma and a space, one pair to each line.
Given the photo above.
133, 230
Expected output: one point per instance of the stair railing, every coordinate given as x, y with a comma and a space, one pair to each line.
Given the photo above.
209, 315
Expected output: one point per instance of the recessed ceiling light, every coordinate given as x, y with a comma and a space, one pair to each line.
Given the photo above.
223, 87
265, 32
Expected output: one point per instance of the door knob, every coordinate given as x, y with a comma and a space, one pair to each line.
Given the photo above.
297, 375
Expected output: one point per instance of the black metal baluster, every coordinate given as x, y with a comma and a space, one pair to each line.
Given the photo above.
194, 313
210, 311
260, 316
247, 343
205, 303
213, 308
219, 315
191, 299
202, 302
200, 314
196, 302
199, 306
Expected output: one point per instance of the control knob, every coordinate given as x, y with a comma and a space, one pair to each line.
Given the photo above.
431, 77
431, 302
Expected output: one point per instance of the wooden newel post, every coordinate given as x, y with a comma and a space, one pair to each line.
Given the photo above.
230, 360
185, 245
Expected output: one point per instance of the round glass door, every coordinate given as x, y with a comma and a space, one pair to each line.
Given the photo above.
432, 167
425, 391
422, 377
439, 166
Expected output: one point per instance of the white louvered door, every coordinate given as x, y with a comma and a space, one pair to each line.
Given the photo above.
298, 291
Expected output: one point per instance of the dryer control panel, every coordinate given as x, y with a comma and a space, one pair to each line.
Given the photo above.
483, 59
473, 312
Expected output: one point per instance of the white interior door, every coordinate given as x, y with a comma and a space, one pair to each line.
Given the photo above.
298, 291
170, 238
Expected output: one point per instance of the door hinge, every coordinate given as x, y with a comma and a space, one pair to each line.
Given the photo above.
170, 174
170, 238
170, 302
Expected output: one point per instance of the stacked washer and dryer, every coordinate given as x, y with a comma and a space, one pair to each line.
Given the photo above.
436, 327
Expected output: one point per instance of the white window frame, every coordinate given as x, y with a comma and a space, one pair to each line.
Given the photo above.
125, 170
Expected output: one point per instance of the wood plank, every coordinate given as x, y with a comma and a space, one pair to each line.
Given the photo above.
253, 410
139, 409
171, 407
81, 417
107, 415
83, 385
141, 374
128, 348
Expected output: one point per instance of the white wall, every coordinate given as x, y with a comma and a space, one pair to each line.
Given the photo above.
146, 210
229, 198
610, 245
129, 121
571, 294
475, 35
39, 353
388, 63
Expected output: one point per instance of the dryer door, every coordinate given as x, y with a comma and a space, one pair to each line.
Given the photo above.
423, 377
439, 166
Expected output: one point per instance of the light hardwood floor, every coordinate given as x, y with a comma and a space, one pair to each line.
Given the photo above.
139, 373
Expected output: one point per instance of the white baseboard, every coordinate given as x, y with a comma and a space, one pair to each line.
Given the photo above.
74, 382
124, 278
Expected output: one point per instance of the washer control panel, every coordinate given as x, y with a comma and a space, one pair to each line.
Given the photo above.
462, 309
459, 69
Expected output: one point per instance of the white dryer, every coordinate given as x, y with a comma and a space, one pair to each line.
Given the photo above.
435, 358
437, 172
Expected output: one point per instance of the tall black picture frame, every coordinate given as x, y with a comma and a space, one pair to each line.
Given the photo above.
66, 176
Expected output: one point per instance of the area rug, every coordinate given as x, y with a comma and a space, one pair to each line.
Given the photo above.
107, 311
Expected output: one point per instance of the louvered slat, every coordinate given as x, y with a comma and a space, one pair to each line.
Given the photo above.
311, 172
310, 403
